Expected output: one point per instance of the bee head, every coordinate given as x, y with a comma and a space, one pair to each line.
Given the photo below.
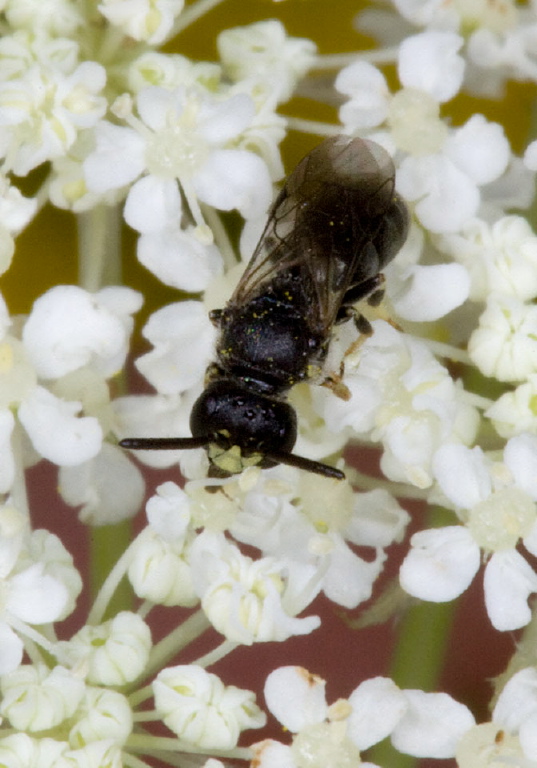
242, 427
239, 427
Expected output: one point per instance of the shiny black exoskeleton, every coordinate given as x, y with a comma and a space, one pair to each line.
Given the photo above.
334, 226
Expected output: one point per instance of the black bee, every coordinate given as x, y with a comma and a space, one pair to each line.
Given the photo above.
334, 226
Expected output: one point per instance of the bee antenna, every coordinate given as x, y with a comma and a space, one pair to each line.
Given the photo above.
163, 443
300, 462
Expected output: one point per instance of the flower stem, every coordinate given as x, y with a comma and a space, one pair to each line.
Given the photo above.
149, 744
368, 483
19, 490
134, 762
339, 60
312, 126
188, 631
99, 264
215, 655
99, 247
109, 587
221, 237
441, 349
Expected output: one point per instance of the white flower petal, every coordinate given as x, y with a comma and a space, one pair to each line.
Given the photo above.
430, 61
377, 519
70, 327
160, 572
168, 512
480, 149
272, 754
530, 156
441, 564
222, 121
446, 196
153, 416
118, 159
296, 697
35, 698
35, 596
47, 550
56, 432
153, 204
504, 344
115, 652
156, 105
150, 22
183, 337
264, 53
251, 601
201, 710
108, 488
528, 737
432, 725
104, 718
369, 93
234, 178
377, 707
7, 460
517, 700
520, 455
179, 259
11, 649
462, 474
430, 292
349, 581
508, 582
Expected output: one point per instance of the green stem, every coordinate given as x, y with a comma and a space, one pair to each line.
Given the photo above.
148, 744
134, 762
365, 482
339, 60
227, 646
188, 631
19, 490
99, 247
99, 260
221, 237
445, 350
109, 587
312, 126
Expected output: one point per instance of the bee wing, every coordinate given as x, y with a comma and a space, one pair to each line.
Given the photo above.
322, 226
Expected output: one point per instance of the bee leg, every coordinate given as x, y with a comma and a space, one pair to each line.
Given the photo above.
375, 299
215, 316
334, 381
362, 324
372, 290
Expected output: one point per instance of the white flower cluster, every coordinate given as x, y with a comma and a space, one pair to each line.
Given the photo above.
418, 723
99, 120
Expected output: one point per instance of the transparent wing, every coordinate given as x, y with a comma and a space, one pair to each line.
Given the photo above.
323, 227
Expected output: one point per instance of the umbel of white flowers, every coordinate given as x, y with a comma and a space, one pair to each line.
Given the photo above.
118, 129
